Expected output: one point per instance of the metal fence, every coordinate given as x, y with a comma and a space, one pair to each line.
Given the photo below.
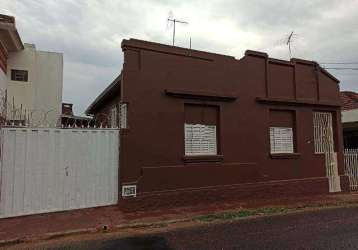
53, 169
351, 167
14, 114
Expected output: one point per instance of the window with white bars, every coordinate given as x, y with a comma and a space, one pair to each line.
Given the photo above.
323, 132
123, 115
281, 140
200, 139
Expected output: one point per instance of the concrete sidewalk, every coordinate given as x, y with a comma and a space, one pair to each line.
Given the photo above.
51, 225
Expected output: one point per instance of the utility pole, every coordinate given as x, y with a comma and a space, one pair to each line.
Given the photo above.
174, 22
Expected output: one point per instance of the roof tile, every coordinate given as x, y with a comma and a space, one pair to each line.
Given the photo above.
349, 100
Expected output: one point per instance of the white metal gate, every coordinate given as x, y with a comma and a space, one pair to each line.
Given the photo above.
50, 169
351, 167
324, 144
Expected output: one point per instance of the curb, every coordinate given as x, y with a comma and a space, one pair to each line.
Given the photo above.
46, 236
113, 228
102, 228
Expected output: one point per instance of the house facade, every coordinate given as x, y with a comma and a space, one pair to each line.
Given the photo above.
31, 79
200, 124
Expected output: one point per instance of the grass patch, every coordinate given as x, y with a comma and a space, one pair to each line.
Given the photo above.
241, 214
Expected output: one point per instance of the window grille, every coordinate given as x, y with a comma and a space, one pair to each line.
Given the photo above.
323, 132
19, 75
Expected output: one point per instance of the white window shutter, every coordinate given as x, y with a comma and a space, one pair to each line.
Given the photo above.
200, 139
281, 140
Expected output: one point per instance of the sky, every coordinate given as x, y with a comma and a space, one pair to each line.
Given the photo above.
89, 33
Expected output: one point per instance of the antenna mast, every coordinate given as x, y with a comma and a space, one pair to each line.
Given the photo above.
289, 40
174, 20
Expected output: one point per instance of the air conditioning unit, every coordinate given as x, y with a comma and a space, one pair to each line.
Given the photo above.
129, 190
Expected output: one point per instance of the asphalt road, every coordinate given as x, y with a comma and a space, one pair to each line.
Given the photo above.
324, 229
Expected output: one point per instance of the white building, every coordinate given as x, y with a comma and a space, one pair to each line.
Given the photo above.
31, 79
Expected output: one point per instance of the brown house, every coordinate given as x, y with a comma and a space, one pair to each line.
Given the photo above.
197, 124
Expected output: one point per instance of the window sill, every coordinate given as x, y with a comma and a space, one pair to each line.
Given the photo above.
202, 158
285, 156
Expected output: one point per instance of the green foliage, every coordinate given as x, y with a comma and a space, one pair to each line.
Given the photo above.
241, 214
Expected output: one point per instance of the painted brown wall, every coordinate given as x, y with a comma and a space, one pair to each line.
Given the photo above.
152, 148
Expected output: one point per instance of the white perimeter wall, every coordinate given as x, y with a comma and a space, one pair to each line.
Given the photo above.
43, 91
45, 170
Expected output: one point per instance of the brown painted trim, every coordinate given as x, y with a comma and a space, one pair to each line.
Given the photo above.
248, 184
219, 131
328, 74
281, 101
316, 68
302, 61
256, 53
319, 68
267, 78
280, 62
171, 53
172, 50
295, 80
285, 156
202, 158
200, 95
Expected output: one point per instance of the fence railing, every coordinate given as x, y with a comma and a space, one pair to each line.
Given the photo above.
15, 114
351, 167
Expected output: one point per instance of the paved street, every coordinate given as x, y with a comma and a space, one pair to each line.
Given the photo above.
325, 229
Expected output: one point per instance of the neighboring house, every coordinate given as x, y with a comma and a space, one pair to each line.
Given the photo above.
68, 119
10, 41
350, 119
32, 79
198, 124
106, 107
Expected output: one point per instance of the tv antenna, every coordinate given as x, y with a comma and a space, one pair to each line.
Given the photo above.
174, 21
289, 41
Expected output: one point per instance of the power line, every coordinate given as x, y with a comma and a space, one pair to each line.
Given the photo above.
341, 68
338, 62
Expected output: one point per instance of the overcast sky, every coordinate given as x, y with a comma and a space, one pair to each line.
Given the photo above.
89, 33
